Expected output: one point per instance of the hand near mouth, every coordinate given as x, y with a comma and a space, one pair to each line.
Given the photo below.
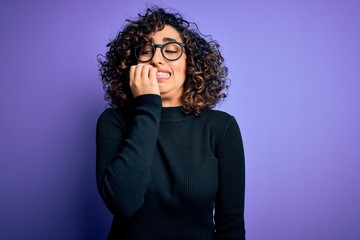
143, 80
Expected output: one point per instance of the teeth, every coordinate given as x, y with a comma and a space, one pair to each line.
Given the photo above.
163, 74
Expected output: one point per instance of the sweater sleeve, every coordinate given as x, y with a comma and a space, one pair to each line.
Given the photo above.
124, 156
229, 204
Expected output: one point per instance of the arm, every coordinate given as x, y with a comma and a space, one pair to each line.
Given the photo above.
229, 204
123, 157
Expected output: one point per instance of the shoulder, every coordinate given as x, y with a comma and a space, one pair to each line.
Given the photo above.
223, 130
220, 121
216, 113
111, 119
108, 113
112, 114
218, 117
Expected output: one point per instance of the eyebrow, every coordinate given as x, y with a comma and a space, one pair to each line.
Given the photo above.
166, 39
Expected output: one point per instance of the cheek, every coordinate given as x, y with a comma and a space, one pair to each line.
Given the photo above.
180, 67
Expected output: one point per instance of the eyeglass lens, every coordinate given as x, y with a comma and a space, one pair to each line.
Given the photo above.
171, 51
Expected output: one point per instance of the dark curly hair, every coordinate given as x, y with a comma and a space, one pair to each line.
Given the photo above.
206, 75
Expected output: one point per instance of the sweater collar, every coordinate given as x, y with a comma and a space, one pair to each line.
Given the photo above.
173, 114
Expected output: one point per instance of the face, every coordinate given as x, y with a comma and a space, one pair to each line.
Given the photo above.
171, 74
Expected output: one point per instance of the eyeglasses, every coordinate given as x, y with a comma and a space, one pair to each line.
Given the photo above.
171, 51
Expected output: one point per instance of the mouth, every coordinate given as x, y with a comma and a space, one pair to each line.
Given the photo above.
163, 75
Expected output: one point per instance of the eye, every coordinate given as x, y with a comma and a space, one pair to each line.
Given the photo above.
146, 50
171, 51
172, 48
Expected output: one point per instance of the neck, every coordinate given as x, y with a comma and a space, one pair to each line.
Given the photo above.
171, 103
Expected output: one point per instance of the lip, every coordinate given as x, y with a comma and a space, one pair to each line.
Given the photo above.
162, 77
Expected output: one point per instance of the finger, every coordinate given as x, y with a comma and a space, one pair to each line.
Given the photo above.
137, 74
145, 70
132, 73
153, 80
153, 73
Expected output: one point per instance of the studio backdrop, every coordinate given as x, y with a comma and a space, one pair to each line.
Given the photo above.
294, 68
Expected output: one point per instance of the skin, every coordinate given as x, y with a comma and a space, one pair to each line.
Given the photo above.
145, 77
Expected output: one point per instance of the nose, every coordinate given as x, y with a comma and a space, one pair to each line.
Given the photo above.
158, 57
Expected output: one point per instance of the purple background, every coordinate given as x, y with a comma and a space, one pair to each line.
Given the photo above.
295, 71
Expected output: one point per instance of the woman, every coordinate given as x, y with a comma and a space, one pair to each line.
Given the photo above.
168, 167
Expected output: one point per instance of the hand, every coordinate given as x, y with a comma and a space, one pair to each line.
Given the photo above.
143, 80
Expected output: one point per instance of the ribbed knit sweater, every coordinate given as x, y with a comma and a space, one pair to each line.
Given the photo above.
164, 173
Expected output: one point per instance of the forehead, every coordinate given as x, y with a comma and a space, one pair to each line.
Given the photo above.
166, 34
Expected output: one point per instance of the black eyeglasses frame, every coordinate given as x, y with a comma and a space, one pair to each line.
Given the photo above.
161, 46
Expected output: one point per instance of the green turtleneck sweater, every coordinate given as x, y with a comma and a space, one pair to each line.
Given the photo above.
169, 175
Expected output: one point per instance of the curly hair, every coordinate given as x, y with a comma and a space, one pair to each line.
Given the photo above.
206, 75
